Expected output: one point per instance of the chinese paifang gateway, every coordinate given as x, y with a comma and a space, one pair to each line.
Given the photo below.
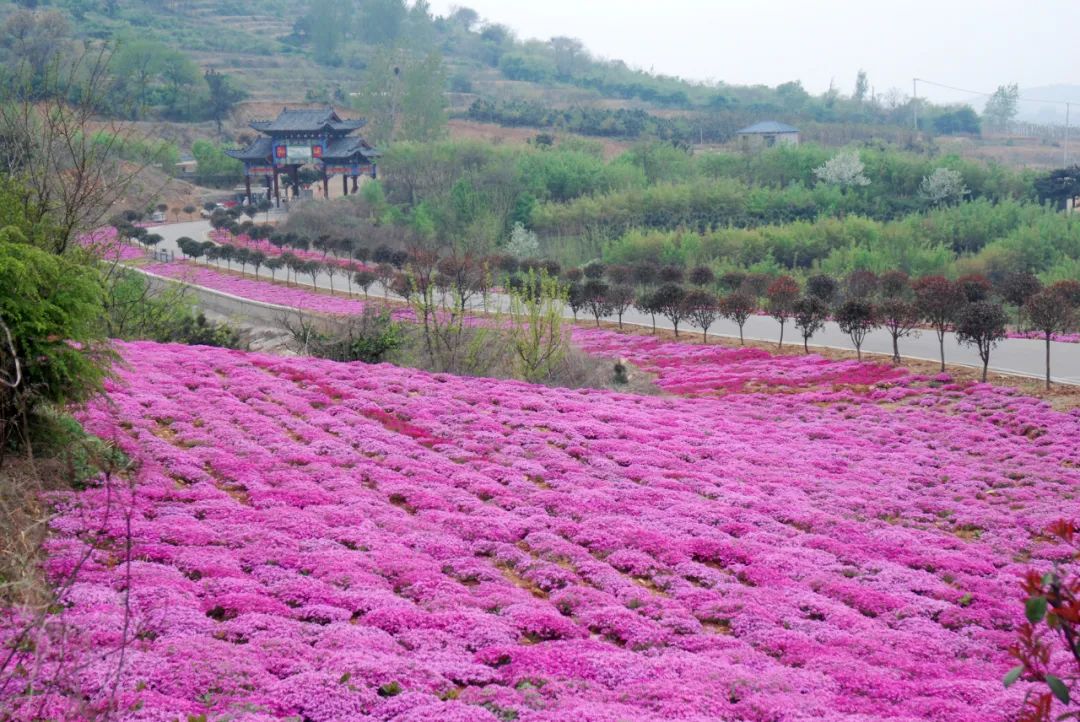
301, 137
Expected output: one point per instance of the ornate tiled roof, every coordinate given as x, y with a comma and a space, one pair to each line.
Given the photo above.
348, 147
306, 121
258, 150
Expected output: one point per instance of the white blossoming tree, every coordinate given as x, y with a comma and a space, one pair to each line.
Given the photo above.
523, 242
943, 186
844, 170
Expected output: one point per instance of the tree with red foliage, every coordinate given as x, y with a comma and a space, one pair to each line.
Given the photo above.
938, 300
738, 306
595, 295
857, 317
702, 307
781, 296
976, 287
810, 315
669, 302
823, 287
1069, 290
1052, 609
900, 317
620, 298
861, 284
894, 284
981, 324
1017, 287
702, 276
1049, 312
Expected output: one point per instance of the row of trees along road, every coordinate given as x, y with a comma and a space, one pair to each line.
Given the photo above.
976, 309
971, 306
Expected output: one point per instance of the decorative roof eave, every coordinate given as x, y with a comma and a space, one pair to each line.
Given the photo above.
325, 120
259, 150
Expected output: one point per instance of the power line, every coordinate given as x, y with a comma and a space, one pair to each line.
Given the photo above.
989, 95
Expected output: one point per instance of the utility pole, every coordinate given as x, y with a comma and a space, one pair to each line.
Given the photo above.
915, 104
1065, 159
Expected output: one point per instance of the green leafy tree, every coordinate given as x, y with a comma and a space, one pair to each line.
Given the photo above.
1001, 108
423, 105
537, 336
224, 94
51, 341
382, 21
137, 65
402, 97
32, 43
327, 23
214, 167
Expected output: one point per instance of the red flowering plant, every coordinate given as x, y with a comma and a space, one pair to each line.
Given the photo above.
1048, 644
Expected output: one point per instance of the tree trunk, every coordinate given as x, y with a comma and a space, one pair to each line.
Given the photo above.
806, 345
781, 344
1047, 360
941, 345
895, 349
858, 351
704, 335
986, 363
740, 335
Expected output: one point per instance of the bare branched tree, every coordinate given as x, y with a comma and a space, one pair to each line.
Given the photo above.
64, 155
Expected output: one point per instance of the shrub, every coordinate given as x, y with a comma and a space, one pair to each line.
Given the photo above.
368, 337
50, 332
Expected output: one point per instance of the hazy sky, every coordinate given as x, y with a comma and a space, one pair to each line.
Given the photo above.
966, 43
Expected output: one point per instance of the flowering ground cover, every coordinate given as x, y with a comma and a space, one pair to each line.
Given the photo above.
347, 542
105, 243
256, 290
1059, 337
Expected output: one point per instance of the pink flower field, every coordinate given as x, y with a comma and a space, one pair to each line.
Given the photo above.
257, 290
321, 541
105, 243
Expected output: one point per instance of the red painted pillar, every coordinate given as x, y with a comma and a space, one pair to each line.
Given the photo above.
277, 189
325, 184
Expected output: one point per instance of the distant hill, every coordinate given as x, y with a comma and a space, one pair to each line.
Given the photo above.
323, 51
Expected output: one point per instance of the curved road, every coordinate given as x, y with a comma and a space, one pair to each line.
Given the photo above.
1020, 357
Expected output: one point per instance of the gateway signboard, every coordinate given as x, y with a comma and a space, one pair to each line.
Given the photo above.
298, 153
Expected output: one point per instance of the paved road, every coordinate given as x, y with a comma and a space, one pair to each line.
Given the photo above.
1020, 357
